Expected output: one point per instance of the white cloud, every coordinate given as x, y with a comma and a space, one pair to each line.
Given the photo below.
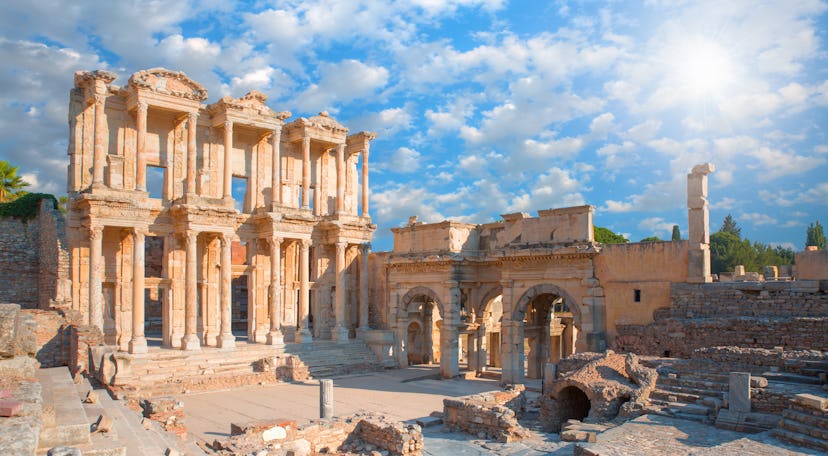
757, 219
341, 82
657, 226
404, 160
555, 188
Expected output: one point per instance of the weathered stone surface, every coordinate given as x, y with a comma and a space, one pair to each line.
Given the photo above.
739, 392
64, 451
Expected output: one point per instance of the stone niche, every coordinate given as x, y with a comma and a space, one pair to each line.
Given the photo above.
598, 387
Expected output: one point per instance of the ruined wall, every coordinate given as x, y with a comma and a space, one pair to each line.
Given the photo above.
792, 315
445, 236
378, 290
488, 415
811, 265
650, 268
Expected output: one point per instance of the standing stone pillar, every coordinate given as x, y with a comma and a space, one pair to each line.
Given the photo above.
100, 134
306, 172
276, 172
326, 403
138, 344
95, 277
365, 194
304, 334
739, 392
192, 121
228, 160
481, 348
190, 340
340, 333
363, 287
698, 258
512, 356
449, 337
275, 337
140, 152
340, 179
226, 338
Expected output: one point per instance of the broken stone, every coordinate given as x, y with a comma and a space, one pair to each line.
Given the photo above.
104, 424
10, 407
64, 451
91, 397
274, 433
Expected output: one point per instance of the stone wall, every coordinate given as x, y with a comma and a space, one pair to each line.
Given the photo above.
34, 266
811, 265
757, 360
792, 315
488, 415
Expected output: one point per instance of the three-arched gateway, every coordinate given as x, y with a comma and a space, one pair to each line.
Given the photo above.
512, 295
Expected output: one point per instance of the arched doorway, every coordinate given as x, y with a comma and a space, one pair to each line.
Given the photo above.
485, 347
543, 328
573, 404
420, 316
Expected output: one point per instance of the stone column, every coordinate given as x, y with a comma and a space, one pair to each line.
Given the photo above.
275, 336
226, 338
306, 172
304, 334
326, 401
98, 148
190, 340
340, 332
228, 160
698, 255
340, 179
365, 212
138, 344
449, 348
511, 352
276, 172
192, 121
482, 349
95, 277
363, 287
140, 153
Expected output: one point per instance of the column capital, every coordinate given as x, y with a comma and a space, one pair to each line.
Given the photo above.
99, 98
226, 238
228, 124
276, 240
366, 247
192, 116
95, 232
139, 231
305, 243
305, 140
341, 245
191, 235
142, 106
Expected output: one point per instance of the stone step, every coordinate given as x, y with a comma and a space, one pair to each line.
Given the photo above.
803, 428
70, 425
806, 418
787, 377
667, 396
692, 383
699, 392
800, 439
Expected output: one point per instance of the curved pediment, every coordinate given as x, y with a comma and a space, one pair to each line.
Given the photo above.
164, 81
325, 122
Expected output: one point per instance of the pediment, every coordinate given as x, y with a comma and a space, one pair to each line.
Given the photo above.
163, 81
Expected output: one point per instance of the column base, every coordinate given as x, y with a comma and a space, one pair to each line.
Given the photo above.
339, 334
304, 336
275, 338
226, 341
138, 345
190, 343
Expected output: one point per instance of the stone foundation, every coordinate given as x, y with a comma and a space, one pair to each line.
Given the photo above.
492, 415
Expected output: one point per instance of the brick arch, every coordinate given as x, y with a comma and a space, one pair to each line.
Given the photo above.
523, 302
422, 291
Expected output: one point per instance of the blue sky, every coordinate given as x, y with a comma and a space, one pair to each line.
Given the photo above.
483, 107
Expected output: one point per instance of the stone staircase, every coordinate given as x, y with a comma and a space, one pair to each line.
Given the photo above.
165, 371
805, 422
693, 396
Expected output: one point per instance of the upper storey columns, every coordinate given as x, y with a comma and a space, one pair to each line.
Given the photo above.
365, 151
94, 85
306, 172
228, 159
340, 178
361, 142
141, 141
192, 121
276, 172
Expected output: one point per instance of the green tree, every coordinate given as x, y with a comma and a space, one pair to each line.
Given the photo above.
676, 233
729, 226
815, 236
605, 236
11, 185
651, 239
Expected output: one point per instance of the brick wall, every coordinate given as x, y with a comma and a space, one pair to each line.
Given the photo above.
487, 415
792, 315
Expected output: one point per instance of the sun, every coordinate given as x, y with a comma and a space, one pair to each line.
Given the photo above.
703, 67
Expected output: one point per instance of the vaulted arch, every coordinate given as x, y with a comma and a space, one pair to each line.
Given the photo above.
526, 298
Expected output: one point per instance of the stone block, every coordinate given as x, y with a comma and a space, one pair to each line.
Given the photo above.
739, 392
64, 451
10, 407
274, 433
812, 401
8, 327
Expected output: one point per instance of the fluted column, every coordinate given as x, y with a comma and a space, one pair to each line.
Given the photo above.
306, 172
140, 152
275, 337
190, 340
226, 338
340, 332
340, 179
363, 287
228, 159
100, 135
192, 120
95, 277
276, 174
138, 344
365, 212
304, 334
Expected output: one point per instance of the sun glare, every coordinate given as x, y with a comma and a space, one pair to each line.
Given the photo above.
704, 67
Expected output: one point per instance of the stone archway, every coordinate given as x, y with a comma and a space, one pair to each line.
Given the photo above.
573, 404
531, 318
420, 309
485, 347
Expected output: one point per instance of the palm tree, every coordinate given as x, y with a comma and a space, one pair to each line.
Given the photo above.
10, 183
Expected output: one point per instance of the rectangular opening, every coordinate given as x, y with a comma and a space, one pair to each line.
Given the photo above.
239, 192
154, 256
637, 295
155, 181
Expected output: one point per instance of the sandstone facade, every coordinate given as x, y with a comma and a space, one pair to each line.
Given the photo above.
212, 221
